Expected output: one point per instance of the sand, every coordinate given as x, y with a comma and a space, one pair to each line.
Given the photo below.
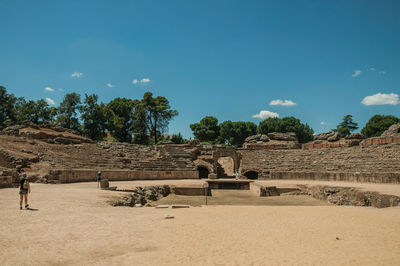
75, 225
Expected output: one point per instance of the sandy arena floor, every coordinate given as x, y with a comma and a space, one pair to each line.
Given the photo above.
76, 226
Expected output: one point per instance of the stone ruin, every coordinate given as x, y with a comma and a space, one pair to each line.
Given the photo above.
49, 154
331, 139
275, 140
53, 155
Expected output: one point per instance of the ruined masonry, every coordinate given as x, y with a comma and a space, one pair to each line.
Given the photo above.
53, 155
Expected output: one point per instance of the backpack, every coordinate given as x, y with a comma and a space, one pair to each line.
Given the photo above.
25, 185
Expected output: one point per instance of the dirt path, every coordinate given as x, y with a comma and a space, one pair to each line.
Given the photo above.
75, 226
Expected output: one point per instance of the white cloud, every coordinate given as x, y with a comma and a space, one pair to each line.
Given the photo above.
372, 69
382, 72
48, 89
76, 74
110, 85
381, 99
143, 80
264, 114
50, 101
283, 103
356, 73
323, 123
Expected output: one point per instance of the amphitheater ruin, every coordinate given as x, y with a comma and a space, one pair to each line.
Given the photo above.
271, 202
53, 155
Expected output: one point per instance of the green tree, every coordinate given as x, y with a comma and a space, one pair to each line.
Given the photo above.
8, 108
94, 118
178, 139
272, 124
158, 114
120, 118
35, 111
378, 124
236, 132
346, 126
67, 111
139, 126
287, 124
206, 130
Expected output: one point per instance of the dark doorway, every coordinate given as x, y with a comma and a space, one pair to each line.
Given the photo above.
203, 172
251, 175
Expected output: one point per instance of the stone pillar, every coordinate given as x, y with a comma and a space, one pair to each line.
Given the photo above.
104, 184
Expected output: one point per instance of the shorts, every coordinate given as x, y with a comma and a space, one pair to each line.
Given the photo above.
23, 191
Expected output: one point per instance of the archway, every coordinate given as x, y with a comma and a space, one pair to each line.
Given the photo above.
251, 175
226, 162
203, 171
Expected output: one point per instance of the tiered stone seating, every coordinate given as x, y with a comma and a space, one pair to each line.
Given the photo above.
352, 159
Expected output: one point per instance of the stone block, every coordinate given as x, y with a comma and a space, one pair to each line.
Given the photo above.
104, 184
212, 176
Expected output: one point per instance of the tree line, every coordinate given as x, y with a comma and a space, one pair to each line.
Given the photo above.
375, 126
144, 121
234, 133
138, 121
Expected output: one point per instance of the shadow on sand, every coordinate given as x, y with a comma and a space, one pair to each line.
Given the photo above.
31, 209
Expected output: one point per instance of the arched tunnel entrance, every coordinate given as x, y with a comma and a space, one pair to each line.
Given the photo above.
203, 172
251, 175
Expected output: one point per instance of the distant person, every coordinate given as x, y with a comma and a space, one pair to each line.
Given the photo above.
24, 189
98, 178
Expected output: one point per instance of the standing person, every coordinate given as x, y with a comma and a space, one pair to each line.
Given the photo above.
98, 178
24, 189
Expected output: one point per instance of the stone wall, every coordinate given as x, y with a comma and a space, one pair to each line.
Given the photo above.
381, 140
338, 176
359, 164
85, 175
6, 181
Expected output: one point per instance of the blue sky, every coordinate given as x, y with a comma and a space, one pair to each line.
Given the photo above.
230, 59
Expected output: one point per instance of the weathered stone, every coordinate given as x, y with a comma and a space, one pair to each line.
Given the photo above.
352, 196
194, 142
324, 135
162, 206
257, 138
288, 136
334, 137
392, 130
355, 136
165, 142
268, 191
144, 196
67, 141
104, 184
212, 176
